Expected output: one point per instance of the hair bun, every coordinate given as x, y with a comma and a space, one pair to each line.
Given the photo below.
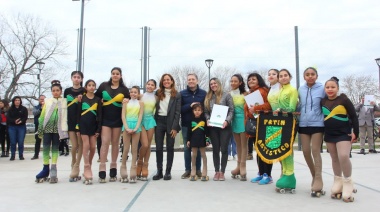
55, 82
335, 78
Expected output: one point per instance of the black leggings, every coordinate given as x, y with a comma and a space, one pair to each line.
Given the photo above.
250, 145
4, 136
263, 166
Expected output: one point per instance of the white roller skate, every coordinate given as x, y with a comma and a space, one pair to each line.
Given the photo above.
87, 174
123, 174
133, 174
336, 190
348, 189
53, 173
74, 175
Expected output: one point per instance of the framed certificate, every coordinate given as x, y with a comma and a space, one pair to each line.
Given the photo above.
218, 115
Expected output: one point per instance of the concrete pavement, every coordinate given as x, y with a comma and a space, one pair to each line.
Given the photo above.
19, 192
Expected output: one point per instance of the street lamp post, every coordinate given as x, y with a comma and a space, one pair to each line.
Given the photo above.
378, 64
40, 66
209, 63
79, 68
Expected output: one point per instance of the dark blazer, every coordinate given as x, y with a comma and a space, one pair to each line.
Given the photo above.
174, 111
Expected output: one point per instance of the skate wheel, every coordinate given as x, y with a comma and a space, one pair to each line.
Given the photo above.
282, 191
293, 191
355, 190
349, 199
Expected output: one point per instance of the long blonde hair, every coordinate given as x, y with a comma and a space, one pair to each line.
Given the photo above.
218, 93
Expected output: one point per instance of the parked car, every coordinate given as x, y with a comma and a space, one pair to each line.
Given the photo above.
377, 121
30, 128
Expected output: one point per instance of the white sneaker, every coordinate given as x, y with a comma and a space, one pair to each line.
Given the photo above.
234, 157
230, 157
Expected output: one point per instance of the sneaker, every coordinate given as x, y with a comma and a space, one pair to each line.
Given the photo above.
22, 157
265, 179
221, 176
216, 176
62, 153
67, 153
185, 175
257, 178
229, 157
373, 151
362, 151
34, 158
199, 173
12, 158
234, 157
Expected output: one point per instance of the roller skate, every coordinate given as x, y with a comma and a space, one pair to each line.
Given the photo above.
87, 174
53, 173
43, 175
139, 169
317, 187
243, 172
287, 183
336, 190
74, 176
236, 172
102, 173
144, 172
124, 174
348, 189
133, 174
257, 178
113, 172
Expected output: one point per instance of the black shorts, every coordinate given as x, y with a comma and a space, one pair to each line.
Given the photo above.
310, 130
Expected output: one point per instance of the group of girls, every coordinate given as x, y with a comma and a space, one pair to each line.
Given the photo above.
322, 112
113, 106
324, 115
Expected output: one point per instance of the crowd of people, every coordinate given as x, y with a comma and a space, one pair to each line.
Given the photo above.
91, 116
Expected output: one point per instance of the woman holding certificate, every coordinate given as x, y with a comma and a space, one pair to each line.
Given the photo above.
256, 83
219, 110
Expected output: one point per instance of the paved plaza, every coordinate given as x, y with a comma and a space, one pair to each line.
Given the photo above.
19, 192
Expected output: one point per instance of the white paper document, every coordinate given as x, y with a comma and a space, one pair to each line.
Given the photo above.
368, 99
254, 98
218, 115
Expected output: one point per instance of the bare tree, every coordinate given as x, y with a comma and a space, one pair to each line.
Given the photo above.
25, 41
357, 86
180, 73
224, 74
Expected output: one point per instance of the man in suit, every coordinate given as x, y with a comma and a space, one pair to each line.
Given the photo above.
366, 124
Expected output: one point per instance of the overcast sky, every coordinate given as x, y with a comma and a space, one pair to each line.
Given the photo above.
337, 37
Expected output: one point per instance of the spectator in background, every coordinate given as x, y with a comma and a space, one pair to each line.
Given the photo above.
366, 124
232, 149
4, 136
37, 112
16, 120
